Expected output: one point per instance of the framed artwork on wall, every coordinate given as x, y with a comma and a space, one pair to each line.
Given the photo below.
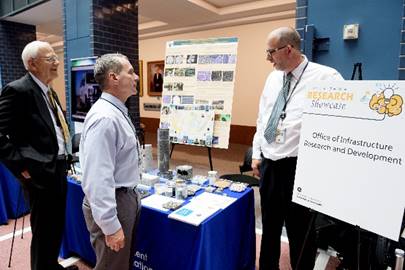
155, 77
140, 82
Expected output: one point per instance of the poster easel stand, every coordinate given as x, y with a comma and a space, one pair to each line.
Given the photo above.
209, 155
358, 229
311, 226
357, 68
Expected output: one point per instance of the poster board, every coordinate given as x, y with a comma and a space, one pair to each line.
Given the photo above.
352, 153
201, 72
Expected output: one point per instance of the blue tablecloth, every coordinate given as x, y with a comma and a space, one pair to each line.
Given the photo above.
224, 241
76, 239
10, 194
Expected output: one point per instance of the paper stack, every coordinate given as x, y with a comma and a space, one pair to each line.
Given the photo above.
201, 207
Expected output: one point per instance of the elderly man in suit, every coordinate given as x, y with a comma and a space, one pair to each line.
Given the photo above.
33, 138
158, 80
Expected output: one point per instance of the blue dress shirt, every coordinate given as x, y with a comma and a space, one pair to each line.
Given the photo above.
109, 159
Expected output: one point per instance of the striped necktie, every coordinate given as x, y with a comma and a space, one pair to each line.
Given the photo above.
60, 119
271, 128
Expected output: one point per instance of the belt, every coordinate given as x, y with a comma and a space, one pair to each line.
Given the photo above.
61, 157
125, 189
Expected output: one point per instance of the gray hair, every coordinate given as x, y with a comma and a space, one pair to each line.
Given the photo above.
287, 35
31, 51
110, 62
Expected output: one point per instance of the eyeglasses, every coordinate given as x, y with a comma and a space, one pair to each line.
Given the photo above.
271, 51
50, 59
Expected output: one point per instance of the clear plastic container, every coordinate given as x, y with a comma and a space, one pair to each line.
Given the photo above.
212, 177
181, 190
160, 188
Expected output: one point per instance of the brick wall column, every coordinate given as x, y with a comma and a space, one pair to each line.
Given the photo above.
114, 28
96, 27
13, 38
401, 67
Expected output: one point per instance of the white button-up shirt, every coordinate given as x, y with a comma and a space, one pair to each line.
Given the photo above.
294, 108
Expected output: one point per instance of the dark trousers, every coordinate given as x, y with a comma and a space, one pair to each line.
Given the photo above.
276, 188
48, 206
128, 212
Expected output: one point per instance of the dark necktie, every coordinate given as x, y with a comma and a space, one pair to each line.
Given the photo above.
60, 119
271, 128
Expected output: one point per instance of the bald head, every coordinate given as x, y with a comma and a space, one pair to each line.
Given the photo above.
283, 49
285, 36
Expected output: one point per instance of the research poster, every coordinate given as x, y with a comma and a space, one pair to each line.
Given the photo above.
352, 153
199, 74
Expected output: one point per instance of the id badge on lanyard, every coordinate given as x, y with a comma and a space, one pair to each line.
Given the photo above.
281, 131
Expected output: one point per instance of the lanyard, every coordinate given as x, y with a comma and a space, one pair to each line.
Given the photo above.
283, 113
133, 129
125, 116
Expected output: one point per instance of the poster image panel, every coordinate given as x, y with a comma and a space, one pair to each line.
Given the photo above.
190, 124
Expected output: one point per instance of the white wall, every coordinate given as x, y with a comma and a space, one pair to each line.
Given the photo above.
251, 69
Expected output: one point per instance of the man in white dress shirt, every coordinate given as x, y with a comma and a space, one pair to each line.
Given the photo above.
275, 148
110, 159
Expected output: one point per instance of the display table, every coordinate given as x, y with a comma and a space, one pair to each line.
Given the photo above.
9, 192
226, 240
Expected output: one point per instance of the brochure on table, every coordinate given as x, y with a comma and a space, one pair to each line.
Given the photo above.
199, 75
217, 200
351, 153
201, 207
198, 209
156, 201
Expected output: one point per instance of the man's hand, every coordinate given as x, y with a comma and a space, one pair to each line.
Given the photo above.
115, 241
255, 167
26, 174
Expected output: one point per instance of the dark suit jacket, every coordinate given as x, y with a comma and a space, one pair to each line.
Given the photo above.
158, 82
27, 134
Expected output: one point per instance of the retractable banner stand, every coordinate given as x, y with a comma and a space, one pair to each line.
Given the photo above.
352, 153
